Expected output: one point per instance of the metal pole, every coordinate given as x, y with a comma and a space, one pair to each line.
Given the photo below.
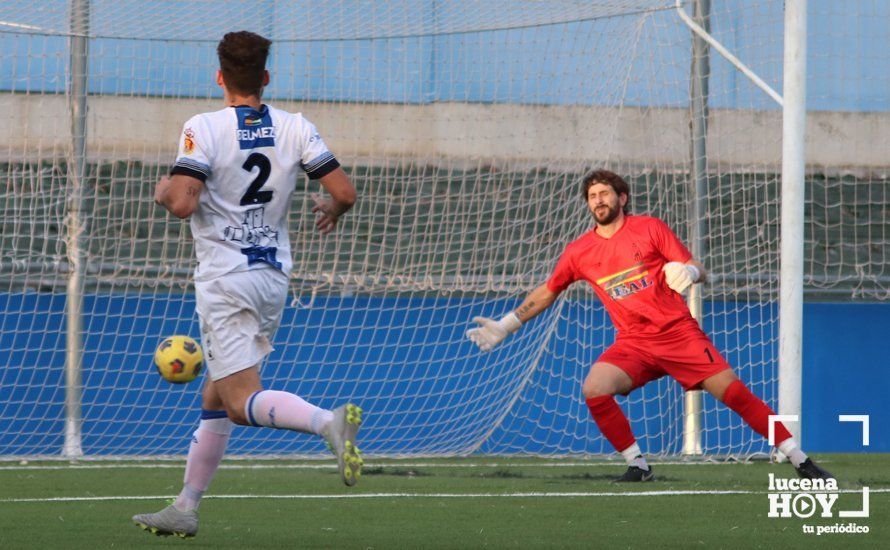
698, 202
721, 49
77, 101
793, 195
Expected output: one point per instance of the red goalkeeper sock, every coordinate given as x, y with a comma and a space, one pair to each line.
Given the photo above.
753, 411
611, 421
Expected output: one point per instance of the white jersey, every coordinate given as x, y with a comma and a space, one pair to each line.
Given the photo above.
249, 162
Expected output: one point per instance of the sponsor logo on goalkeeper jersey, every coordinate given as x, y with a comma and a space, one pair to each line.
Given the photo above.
626, 282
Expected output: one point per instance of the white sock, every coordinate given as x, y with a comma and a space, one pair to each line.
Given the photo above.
205, 453
283, 410
790, 449
634, 457
321, 418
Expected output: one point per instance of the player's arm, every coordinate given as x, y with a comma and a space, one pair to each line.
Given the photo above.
179, 194
681, 270
492, 332
536, 302
342, 197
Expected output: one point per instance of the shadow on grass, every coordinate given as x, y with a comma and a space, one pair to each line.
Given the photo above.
512, 474
397, 472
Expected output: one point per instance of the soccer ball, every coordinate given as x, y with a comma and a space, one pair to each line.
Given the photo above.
179, 359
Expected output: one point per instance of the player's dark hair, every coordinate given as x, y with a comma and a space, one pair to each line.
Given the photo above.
242, 60
605, 177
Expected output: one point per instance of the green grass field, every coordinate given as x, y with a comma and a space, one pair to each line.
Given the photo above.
475, 502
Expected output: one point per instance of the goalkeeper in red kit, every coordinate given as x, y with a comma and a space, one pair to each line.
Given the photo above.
639, 269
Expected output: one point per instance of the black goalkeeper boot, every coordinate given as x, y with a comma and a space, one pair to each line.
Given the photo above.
634, 474
810, 470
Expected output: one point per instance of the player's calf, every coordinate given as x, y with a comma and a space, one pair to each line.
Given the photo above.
757, 414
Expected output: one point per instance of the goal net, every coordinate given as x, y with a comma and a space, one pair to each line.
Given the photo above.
466, 128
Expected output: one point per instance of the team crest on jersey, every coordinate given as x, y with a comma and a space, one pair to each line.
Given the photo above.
626, 282
254, 128
188, 141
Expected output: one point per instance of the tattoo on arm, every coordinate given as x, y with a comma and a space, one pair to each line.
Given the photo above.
525, 308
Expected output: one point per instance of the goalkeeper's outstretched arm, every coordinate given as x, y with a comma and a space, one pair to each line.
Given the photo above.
492, 332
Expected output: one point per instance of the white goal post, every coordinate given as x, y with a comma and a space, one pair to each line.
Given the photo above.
792, 220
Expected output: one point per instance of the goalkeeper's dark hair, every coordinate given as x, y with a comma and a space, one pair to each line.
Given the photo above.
242, 60
605, 177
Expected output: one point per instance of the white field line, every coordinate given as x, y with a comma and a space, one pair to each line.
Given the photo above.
368, 464
417, 495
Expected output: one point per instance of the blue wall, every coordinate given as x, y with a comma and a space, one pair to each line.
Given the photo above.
425, 373
846, 370
848, 69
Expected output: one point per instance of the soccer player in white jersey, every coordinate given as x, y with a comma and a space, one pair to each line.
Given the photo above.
235, 175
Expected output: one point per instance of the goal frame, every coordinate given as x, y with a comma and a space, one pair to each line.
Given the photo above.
792, 103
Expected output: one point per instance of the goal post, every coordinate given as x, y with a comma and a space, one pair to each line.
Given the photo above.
792, 221
793, 103
77, 106
466, 127
794, 121
698, 161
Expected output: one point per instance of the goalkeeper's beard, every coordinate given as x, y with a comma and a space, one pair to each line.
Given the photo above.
610, 215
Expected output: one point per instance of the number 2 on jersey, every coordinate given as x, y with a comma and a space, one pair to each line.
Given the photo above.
253, 194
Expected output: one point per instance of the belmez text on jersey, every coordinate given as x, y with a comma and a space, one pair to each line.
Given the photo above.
255, 133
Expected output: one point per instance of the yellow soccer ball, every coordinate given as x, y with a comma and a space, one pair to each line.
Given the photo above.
179, 359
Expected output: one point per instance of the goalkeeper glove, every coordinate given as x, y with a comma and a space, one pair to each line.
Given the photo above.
679, 276
490, 333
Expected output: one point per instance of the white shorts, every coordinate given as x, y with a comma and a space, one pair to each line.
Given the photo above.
239, 314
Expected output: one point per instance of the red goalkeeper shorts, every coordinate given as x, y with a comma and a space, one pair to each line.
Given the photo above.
686, 354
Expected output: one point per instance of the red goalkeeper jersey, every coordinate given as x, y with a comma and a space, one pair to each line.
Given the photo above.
625, 271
